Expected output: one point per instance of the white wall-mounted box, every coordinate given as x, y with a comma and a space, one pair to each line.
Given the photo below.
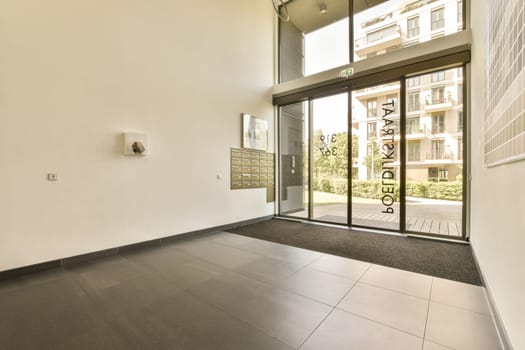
135, 144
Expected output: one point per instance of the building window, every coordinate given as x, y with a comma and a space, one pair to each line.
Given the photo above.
414, 151
460, 121
438, 149
372, 130
438, 76
413, 102
460, 12
371, 108
437, 174
460, 72
411, 82
438, 95
413, 126
438, 123
413, 27
438, 18
460, 94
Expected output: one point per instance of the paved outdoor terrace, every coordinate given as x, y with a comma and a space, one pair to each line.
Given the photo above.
424, 215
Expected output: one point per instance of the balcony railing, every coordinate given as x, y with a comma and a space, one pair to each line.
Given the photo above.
380, 40
439, 156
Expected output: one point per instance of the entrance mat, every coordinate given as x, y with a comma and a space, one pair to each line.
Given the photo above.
452, 261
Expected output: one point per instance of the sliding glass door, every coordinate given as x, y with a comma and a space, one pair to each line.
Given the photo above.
294, 160
330, 158
434, 153
387, 156
376, 179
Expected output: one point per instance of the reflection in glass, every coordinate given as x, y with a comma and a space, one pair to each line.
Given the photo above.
294, 160
330, 158
434, 174
393, 24
375, 157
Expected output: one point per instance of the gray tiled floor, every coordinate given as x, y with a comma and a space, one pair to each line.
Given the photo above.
224, 291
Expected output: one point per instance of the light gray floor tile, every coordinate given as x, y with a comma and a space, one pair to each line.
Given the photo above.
282, 252
280, 314
428, 345
401, 311
318, 285
402, 281
348, 268
458, 294
461, 329
344, 331
268, 269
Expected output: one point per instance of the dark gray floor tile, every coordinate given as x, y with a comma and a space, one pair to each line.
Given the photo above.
46, 315
280, 314
105, 273
282, 252
32, 279
268, 269
158, 257
224, 256
178, 266
231, 239
185, 323
133, 294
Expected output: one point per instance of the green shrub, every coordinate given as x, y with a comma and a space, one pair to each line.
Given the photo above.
372, 189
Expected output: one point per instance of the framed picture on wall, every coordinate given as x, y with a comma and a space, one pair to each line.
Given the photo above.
254, 132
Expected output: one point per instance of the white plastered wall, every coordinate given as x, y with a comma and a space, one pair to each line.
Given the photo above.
75, 75
497, 207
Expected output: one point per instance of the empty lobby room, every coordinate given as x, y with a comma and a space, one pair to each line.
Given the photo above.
263, 174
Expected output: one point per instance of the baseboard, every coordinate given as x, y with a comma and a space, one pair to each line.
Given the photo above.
82, 258
500, 328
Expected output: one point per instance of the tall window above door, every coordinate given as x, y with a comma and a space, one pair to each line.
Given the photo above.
318, 35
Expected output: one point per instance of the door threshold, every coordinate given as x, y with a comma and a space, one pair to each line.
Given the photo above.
341, 226
372, 230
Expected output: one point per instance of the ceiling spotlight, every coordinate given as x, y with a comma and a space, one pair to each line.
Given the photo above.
323, 9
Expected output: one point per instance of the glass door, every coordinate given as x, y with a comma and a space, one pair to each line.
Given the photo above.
293, 160
329, 161
434, 158
381, 164
376, 174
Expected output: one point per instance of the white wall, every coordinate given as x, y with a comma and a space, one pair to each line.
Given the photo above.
74, 75
498, 208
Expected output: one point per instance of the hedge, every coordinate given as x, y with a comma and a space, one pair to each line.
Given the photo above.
372, 189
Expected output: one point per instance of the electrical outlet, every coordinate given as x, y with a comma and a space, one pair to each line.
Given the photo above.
52, 177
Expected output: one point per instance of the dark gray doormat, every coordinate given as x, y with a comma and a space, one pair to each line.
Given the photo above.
452, 261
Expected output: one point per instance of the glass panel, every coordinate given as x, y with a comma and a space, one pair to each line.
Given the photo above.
434, 186
315, 39
391, 24
330, 158
294, 160
375, 157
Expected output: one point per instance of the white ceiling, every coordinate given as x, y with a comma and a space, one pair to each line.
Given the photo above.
305, 13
